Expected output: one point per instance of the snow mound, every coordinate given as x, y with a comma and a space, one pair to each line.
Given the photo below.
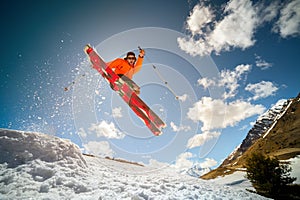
18, 148
38, 166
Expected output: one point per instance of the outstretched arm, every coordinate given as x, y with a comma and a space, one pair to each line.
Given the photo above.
139, 61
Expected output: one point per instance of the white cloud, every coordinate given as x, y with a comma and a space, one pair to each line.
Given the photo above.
243, 128
241, 69
215, 113
236, 29
262, 89
228, 79
99, 148
108, 130
262, 63
199, 17
179, 128
289, 21
200, 139
208, 163
252, 123
156, 164
183, 162
117, 112
236, 25
206, 82
194, 47
267, 12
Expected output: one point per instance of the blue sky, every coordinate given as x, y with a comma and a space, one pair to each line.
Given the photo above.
229, 61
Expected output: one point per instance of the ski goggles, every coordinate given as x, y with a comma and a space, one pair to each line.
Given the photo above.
131, 58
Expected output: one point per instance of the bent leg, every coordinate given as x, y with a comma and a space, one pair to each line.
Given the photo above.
131, 83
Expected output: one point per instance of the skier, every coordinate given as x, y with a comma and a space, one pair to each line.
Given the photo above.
127, 67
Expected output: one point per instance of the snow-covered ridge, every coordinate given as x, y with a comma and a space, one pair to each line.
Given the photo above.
277, 117
53, 168
230, 157
263, 123
272, 114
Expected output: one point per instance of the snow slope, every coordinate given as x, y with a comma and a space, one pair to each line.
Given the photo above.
38, 166
237, 179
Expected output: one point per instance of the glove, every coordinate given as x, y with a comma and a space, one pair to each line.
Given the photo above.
142, 53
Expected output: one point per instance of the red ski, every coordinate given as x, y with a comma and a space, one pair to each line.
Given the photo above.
152, 121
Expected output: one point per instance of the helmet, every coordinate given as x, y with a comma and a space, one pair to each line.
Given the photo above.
130, 53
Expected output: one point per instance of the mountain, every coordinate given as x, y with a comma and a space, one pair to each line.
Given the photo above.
261, 126
197, 171
275, 133
38, 166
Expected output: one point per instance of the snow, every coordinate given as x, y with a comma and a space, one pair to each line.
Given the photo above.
275, 110
230, 157
39, 166
236, 180
295, 165
279, 109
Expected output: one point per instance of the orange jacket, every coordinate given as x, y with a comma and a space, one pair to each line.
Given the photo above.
121, 66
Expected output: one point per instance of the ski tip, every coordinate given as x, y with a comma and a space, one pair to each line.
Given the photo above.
88, 49
159, 133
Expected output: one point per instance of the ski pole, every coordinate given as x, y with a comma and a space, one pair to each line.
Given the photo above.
160, 76
73, 82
